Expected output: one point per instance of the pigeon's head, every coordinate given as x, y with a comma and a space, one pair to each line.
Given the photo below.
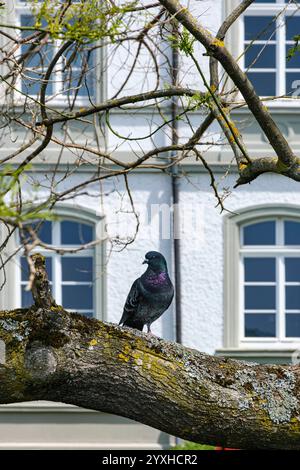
156, 261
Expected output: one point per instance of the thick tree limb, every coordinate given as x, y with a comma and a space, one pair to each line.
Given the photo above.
249, 172
59, 356
65, 357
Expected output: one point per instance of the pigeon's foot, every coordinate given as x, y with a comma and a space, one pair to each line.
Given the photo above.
149, 332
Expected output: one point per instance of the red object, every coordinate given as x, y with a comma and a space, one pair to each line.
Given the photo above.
224, 448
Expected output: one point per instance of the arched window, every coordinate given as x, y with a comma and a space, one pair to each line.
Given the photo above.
71, 274
270, 273
262, 278
77, 277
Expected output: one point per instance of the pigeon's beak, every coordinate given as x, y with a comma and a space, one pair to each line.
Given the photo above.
145, 261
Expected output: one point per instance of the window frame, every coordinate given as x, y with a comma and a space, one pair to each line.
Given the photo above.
57, 265
57, 98
234, 279
237, 47
279, 252
11, 298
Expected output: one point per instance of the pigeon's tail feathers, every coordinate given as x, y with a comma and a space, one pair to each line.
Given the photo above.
123, 318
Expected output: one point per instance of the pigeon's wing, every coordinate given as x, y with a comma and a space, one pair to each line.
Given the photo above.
132, 302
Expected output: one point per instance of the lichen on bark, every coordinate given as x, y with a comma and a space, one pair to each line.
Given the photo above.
65, 357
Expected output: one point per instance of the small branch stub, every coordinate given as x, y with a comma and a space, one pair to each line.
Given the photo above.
41, 291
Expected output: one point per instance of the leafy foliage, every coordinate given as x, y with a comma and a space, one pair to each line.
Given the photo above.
184, 42
293, 50
198, 100
10, 208
80, 21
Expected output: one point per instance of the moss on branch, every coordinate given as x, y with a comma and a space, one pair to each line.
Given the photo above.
60, 356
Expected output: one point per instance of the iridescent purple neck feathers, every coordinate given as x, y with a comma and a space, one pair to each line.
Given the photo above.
156, 279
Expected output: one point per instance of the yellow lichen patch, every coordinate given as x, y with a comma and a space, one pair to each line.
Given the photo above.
125, 354
122, 357
218, 43
56, 308
242, 166
93, 342
213, 88
295, 425
281, 166
234, 130
148, 360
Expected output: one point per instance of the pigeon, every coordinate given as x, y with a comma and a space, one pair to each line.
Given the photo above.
150, 295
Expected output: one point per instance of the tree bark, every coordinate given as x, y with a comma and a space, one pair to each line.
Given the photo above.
65, 357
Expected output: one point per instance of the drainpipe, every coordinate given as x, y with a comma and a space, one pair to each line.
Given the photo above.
175, 193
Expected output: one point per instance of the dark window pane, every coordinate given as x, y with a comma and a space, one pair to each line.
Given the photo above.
262, 233
292, 326
74, 233
78, 297
263, 82
260, 297
30, 20
292, 84
37, 61
79, 76
294, 61
40, 59
292, 297
25, 269
260, 27
292, 26
260, 325
74, 57
27, 299
261, 56
43, 231
292, 269
291, 233
31, 83
260, 269
27, 20
77, 269
83, 86
44, 53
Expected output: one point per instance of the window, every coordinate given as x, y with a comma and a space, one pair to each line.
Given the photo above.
269, 27
74, 74
262, 279
77, 279
270, 264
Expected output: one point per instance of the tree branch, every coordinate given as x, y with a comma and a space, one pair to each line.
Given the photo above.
227, 23
249, 172
65, 357
217, 49
126, 100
